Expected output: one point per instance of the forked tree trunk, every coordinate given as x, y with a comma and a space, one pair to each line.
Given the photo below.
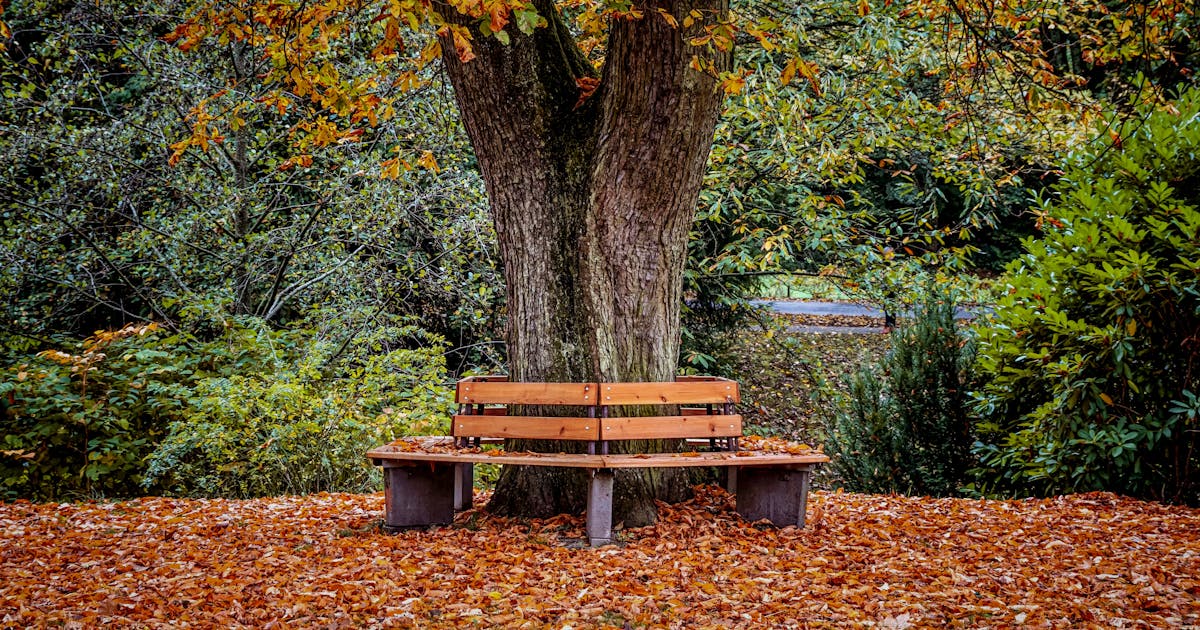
592, 203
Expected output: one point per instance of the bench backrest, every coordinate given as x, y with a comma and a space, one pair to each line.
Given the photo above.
484, 402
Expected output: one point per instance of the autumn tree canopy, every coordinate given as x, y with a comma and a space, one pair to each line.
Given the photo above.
592, 124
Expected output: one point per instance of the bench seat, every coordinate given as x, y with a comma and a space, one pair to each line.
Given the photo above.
442, 449
427, 478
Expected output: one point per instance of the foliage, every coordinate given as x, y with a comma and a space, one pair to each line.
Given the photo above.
79, 424
870, 132
140, 408
904, 425
862, 561
97, 229
873, 171
292, 427
1092, 356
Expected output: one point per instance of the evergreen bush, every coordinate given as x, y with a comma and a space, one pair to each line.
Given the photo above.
903, 426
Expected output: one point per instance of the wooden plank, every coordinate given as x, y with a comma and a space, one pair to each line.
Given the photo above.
473, 393
390, 456
777, 495
387, 456
665, 427
527, 427
678, 393
741, 458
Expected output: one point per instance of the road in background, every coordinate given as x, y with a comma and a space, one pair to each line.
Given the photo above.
814, 307
844, 309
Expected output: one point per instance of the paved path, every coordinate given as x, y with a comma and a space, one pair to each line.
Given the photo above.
815, 307
850, 309
836, 330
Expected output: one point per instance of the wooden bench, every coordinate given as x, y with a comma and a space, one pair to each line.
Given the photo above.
427, 478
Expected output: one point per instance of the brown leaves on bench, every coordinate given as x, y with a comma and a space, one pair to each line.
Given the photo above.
751, 443
775, 445
1092, 560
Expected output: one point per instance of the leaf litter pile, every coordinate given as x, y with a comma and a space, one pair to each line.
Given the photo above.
1094, 560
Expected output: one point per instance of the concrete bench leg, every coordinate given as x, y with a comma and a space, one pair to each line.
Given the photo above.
599, 507
779, 495
464, 486
418, 495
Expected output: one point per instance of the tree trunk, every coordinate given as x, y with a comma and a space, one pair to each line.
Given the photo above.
592, 203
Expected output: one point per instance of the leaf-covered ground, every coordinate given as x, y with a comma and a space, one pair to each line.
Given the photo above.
1087, 561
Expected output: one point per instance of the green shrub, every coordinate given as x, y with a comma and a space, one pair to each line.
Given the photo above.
903, 426
1093, 356
79, 423
252, 411
296, 426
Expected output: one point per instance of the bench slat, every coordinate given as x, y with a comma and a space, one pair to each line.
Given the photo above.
528, 427
480, 392
667, 427
391, 455
678, 393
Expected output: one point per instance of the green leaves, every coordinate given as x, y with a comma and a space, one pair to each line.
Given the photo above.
174, 413
303, 426
904, 425
1088, 352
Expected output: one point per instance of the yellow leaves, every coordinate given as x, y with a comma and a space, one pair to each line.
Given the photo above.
320, 132
764, 32
668, 18
734, 82
461, 38
498, 13
789, 72
427, 161
277, 102
299, 160
431, 52
806, 69
5, 31
391, 168
301, 85
204, 132
58, 356
863, 7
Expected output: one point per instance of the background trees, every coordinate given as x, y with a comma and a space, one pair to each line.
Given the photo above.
252, 263
285, 186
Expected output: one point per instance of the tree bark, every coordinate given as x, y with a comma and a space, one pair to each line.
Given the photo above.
592, 203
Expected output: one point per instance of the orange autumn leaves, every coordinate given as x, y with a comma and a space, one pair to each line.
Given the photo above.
864, 561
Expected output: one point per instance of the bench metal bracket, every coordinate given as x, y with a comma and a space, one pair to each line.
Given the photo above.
599, 507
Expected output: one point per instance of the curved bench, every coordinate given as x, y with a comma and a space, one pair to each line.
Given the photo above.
427, 478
